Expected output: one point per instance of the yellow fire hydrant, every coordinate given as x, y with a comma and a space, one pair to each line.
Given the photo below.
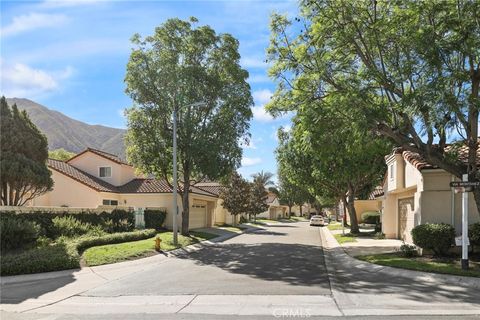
157, 243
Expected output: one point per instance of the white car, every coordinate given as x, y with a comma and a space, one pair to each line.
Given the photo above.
318, 221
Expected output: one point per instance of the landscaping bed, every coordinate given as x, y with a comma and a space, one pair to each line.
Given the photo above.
427, 263
139, 249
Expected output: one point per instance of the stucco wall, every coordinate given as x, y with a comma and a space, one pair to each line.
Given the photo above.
68, 192
362, 206
90, 163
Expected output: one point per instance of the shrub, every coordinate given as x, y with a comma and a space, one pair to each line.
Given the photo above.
44, 259
408, 250
17, 234
45, 219
69, 227
154, 219
64, 254
437, 237
474, 234
379, 235
86, 242
371, 217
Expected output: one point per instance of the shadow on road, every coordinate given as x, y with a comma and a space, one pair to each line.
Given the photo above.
14, 293
353, 280
295, 264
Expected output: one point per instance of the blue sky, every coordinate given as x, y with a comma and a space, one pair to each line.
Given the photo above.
71, 56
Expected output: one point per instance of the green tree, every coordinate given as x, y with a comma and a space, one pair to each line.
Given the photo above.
60, 154
291, 194
413, 68
257, 198
236, 195
24, 174
180, 65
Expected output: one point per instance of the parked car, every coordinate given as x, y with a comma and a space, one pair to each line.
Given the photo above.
318, 221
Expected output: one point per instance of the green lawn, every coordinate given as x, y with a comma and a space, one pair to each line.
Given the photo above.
261, 220
137, 249
423, 264
345, 238
335, 226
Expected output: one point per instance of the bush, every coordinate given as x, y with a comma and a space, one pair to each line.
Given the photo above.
69, 227
437, 237
379, 235
86, 242
45, 259
45, 219
371, 217
64, 254
474, 234
408, 250
17, 234
154, 219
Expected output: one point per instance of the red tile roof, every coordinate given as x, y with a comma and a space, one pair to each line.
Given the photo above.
80, 176
420, 163
376, 193
211, 187
103, 154
138, 185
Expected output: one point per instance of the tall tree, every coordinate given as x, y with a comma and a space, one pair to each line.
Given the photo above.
257, 198
236, 196
60, 154
264, 177
24, 174
291, 194
413, 67
180, 65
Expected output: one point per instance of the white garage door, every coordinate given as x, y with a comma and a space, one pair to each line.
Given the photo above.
198, 216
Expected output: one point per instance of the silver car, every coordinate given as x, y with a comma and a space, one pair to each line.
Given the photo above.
318, 221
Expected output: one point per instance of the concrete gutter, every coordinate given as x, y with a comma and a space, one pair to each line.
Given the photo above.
335, 251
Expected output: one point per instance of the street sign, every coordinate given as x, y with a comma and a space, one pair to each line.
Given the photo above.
458, 184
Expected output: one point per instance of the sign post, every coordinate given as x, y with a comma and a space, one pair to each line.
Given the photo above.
467, 187
465, 227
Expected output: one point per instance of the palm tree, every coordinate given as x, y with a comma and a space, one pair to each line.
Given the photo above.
264, 177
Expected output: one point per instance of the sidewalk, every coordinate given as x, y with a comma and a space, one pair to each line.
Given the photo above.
345, 254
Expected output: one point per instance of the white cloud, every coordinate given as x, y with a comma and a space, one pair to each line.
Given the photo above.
262, 96
32, 21
21, 80
260, 114
247, 162
251, 145
253, 62
287, 128
258, 78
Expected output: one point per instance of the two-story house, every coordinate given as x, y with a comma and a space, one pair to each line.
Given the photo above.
95, 178
416, 192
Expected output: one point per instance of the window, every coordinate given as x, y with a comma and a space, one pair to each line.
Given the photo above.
105, 172
107, 202
392, 173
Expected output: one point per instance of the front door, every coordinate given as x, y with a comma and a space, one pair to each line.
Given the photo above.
405, 218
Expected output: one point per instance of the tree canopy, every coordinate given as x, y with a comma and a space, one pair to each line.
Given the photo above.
236, 195
181, 65
24, 174
411, 67
61, 154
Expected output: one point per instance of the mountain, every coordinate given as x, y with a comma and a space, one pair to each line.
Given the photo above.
71, 134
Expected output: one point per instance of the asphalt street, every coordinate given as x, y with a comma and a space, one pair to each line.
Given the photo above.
281, 271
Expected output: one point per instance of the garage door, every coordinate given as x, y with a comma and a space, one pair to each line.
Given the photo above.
405, 218
198, 215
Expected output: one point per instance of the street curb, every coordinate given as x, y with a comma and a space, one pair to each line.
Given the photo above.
336, 251
90, 270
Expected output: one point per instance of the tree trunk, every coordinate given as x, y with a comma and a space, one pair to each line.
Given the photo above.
186, 202
289, 211
301, 213
351, 211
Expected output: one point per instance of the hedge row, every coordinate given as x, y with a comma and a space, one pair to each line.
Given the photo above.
63, 255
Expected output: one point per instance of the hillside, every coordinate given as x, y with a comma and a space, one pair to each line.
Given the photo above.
70, 134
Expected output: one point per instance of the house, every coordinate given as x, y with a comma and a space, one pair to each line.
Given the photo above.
416, 192
373, 203
94, 178
275, 210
